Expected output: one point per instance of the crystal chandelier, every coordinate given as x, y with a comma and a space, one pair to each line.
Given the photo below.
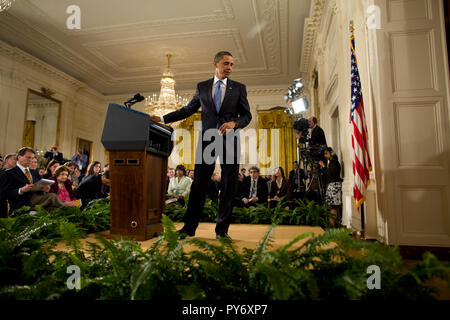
5, 4
168, 101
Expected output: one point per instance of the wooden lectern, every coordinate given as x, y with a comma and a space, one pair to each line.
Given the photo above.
138, 151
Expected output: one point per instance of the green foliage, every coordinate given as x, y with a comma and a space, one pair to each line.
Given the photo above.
305, 213
328, 266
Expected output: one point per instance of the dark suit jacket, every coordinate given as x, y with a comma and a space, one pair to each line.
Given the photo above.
50, 156
280, 192
262, 191
234, 107
90, 189
16, 179
3, 203
318, 136
292, 178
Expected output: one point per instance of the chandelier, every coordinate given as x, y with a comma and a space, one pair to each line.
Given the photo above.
167, 101
5, 4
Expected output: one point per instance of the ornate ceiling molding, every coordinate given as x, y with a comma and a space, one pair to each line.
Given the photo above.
312, 25
219, 15
30, 61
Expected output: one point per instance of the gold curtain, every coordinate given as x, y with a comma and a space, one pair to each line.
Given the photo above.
276, 140
189, 160
29, 133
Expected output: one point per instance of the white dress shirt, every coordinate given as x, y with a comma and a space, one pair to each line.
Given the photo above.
23, 170
223, 87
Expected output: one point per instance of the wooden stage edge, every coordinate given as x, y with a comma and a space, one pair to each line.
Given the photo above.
243, 235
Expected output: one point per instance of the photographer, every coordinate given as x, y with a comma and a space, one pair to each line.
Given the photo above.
53, 154
332, 173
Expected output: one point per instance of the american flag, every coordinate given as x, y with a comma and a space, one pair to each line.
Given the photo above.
361, 160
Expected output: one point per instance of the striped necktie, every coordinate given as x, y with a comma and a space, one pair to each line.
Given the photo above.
27, 173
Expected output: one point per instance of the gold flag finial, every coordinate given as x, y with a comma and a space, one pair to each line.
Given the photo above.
352, 28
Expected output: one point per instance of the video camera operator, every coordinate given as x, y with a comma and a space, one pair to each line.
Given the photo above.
333, 180
317, 133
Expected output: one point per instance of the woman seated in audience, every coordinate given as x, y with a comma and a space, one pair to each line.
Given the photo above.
34, 164
180, 185
76, 177
50, 170
63, 186
93, 169
278, 188
333, 181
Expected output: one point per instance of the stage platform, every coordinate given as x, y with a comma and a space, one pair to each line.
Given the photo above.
243, 235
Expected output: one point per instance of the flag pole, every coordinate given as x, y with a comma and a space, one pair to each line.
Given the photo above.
361, 210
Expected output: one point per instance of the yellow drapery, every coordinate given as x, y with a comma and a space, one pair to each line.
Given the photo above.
276, 140
188, 158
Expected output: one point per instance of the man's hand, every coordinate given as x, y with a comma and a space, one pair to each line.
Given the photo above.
155, 119
26, 188
227, 126
46, 188
322, 164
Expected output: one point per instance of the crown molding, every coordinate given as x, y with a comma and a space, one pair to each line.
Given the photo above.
312, 26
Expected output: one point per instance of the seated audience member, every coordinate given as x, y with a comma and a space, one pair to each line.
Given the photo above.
278, 188
63, 186
50, 170
333, 181
270, 179
94, 168
191, 174
53, 154
214, 187
80, 159
296, 183
106, 167
170, 175
180, 185
71, 167
10, 161
41, 172
19, 183
76, 177
92, 188
3, 201
254, 189
34, 164
243, 171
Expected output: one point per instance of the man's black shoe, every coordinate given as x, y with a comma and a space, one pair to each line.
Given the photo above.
225, 235
184, 233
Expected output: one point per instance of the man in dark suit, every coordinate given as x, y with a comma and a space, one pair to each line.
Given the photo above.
19, 182
317, 134
10, 162
296, 182
53, 154
254, 189
224, 109
93, 187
